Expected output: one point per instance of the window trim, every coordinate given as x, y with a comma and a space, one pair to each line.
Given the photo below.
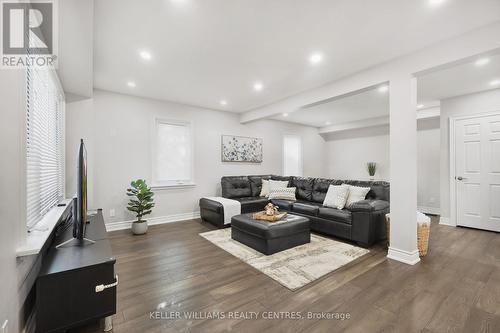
301, 160
155, 183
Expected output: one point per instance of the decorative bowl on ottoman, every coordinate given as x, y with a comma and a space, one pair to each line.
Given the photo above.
271, 237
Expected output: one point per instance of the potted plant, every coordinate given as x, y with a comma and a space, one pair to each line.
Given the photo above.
141, 203
372, 169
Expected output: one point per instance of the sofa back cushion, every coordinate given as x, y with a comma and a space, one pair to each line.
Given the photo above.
282, 178
320, 187
256, 183
236, 187
379, 190
304, 187
243, 186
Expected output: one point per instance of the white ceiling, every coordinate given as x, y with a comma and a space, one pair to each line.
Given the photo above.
207, 50
458, 80
454, 81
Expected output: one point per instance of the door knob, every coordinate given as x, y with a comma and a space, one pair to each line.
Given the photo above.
461, 178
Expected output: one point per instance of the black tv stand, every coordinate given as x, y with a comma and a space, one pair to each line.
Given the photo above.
77, 282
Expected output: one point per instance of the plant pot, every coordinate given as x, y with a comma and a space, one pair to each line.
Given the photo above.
139, 227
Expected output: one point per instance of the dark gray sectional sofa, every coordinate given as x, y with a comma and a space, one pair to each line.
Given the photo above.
363, 222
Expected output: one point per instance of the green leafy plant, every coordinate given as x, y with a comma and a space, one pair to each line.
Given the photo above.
372, 168
141, 199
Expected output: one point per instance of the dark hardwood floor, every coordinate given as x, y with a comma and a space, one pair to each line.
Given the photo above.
456, 288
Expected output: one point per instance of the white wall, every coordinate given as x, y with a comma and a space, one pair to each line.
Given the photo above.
488, 101
76, 47
12, 113
428, 165
349, 151
117, 130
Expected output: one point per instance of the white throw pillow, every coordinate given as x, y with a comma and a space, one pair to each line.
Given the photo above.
277, 184
287, 193
265, 188
356, 194
336, 196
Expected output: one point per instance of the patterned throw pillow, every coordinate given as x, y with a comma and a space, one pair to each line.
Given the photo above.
268, 185
287, 193
356, 194
336, 196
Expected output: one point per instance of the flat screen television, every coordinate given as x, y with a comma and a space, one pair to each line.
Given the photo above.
80, 220
80, 201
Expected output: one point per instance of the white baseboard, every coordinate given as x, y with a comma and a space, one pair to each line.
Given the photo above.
410, 258
113, 226
429, 210
446, 221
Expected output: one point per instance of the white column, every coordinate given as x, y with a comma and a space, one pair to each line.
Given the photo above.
403, 168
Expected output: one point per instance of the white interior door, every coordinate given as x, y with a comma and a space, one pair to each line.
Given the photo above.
477, 172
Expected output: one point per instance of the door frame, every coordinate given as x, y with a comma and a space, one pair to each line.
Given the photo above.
452, 150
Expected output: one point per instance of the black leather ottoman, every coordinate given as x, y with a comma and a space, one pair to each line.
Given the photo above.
271, 237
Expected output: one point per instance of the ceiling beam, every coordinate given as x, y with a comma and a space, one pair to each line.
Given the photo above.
375, 121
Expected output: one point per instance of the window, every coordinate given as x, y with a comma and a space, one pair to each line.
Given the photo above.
173, 155
292, 155
44, 144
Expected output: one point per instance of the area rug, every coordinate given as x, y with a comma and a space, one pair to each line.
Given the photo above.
295, 267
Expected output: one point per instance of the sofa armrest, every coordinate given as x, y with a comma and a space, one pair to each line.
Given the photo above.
369, 205
368, 221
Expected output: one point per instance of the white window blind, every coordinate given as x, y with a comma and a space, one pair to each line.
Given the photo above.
172, 163
292, 155
44, 144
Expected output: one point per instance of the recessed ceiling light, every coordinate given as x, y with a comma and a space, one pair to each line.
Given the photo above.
131, 84
383, 88
495, 83
285, 114
482, 61
328, 123
145, 55
435, 3
420, 106
258, 86
223, 102
315, 58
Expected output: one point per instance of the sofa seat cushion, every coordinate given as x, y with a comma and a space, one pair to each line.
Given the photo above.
252, 204
283, 204
334, 214
306, 208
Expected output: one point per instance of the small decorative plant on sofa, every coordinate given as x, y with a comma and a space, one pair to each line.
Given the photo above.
372, 169
141, 203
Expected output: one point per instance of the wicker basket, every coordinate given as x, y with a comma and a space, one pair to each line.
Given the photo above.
423, 231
